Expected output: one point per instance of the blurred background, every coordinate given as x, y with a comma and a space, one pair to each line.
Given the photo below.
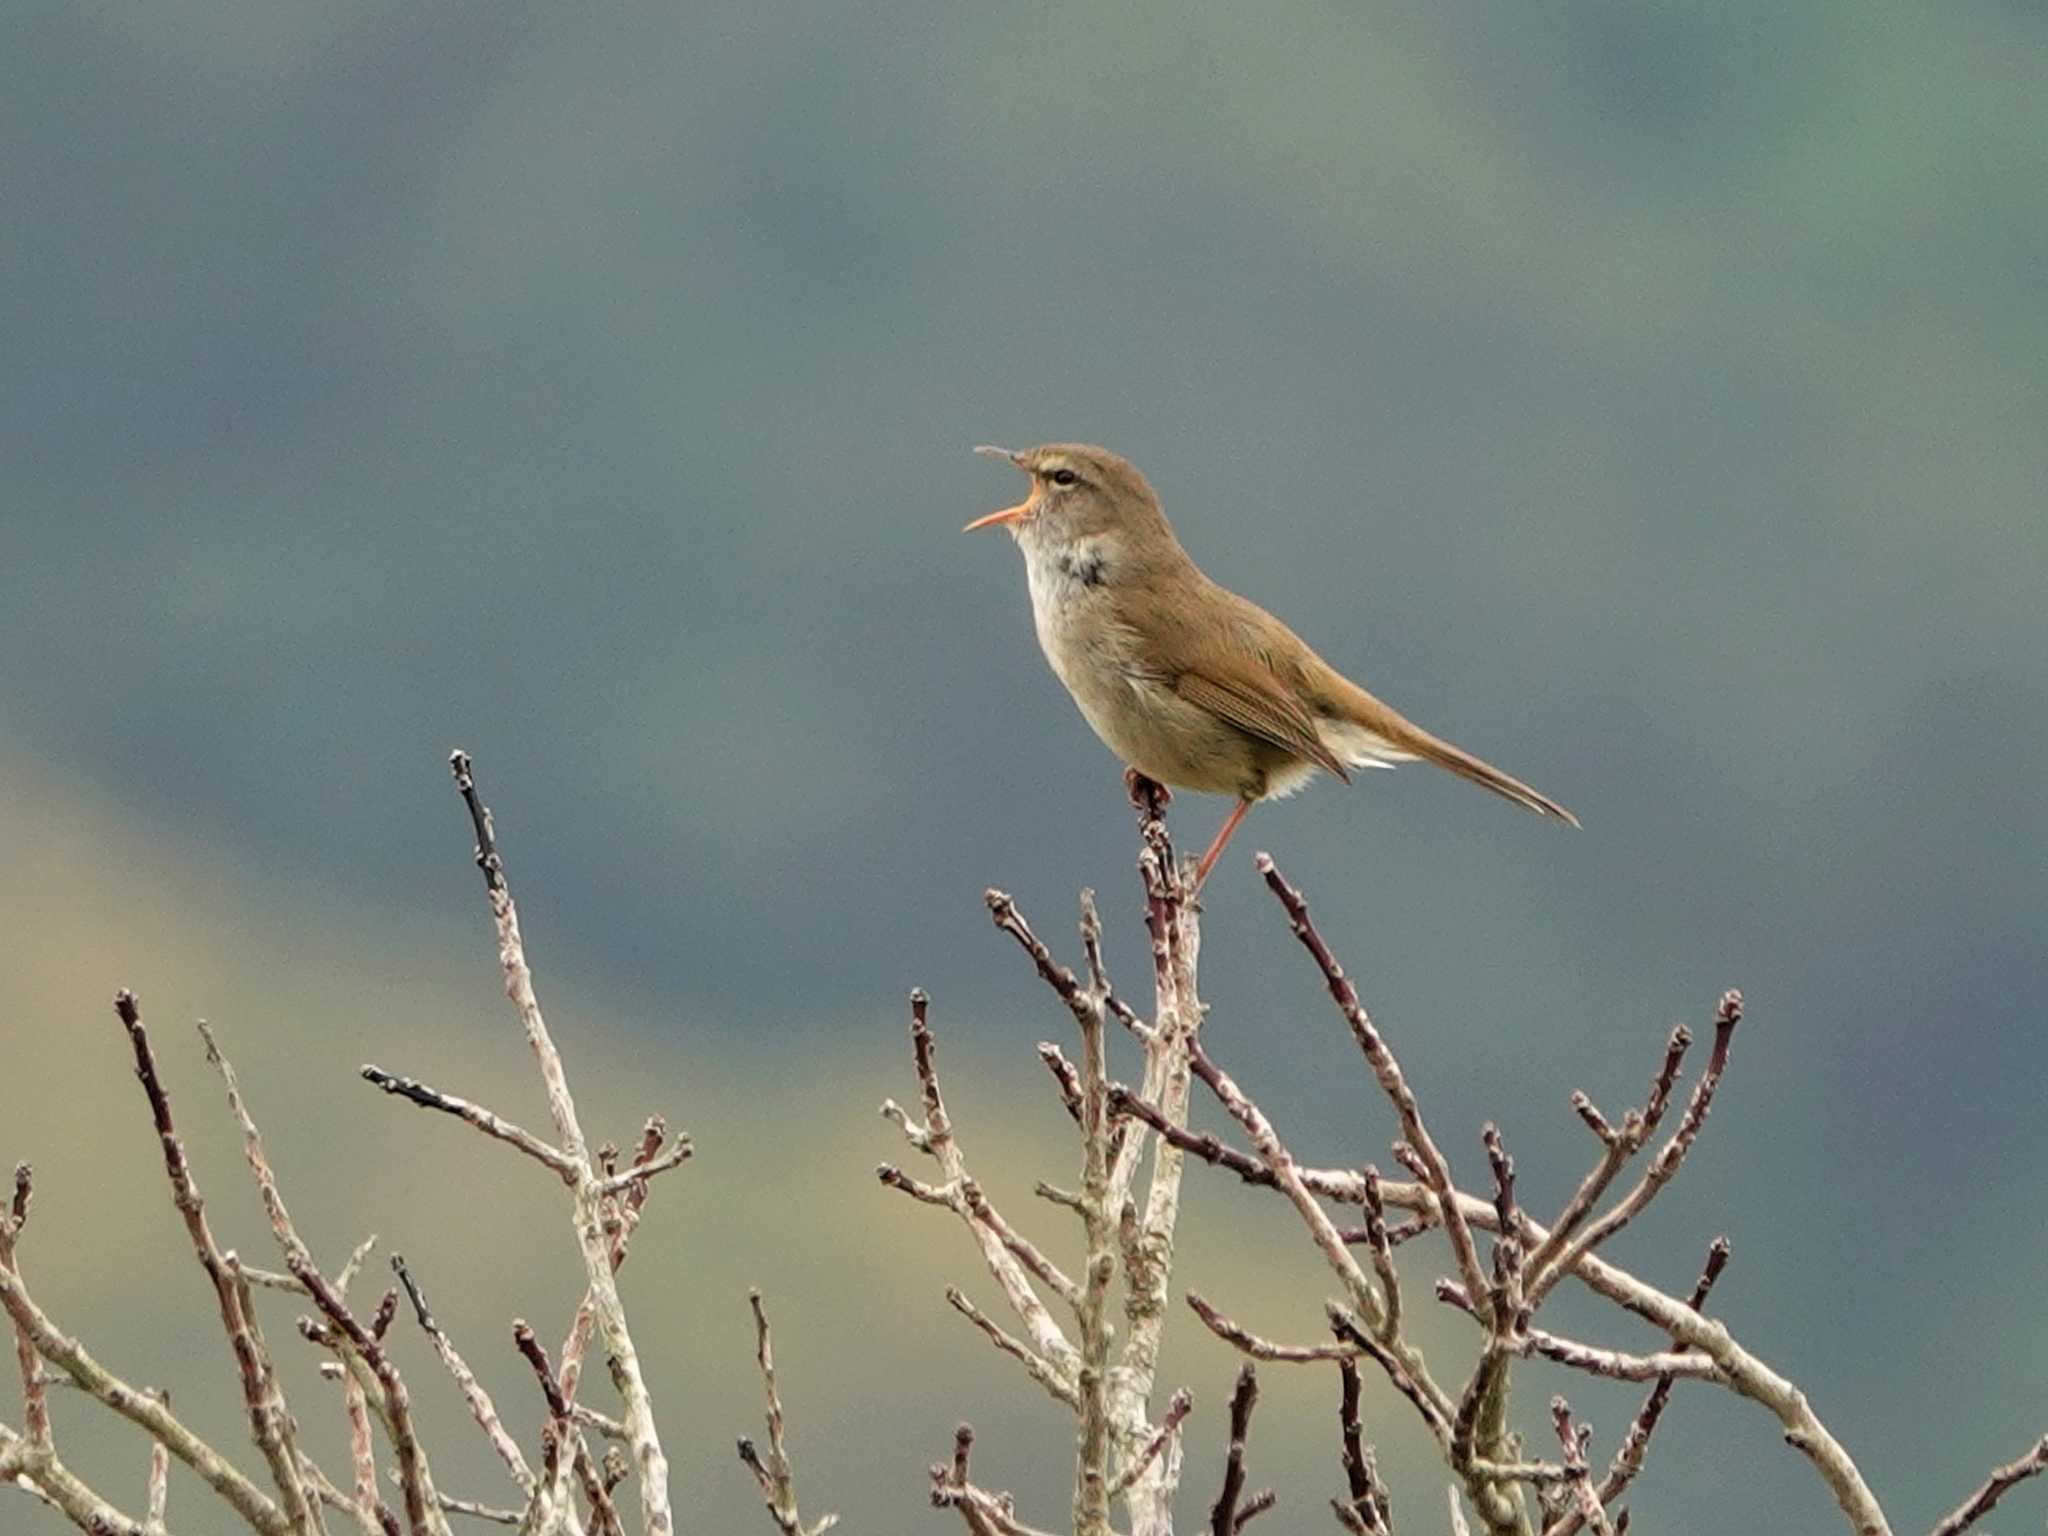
1649, 397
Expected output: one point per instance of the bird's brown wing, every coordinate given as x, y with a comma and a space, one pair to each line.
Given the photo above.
1264, 679
1252, 705
1238, 673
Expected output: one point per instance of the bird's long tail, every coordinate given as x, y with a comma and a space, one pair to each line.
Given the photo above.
1372, 729
1436, 750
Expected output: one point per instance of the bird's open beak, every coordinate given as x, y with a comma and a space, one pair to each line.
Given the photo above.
1008, 514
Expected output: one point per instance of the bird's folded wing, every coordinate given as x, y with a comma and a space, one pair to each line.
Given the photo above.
1268, 712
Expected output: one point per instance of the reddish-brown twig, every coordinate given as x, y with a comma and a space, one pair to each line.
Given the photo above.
1385, 1068
269, 1420
422, 1511
1230, 1510
1367, 1500
1664, 1166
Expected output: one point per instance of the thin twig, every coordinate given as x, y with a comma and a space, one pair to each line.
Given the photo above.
1995, 1487
1664, 1166
778, 1486
1384, 1067
1228, 1512
490, 1123
1242, 1338
1177, 1408
1035, 1366
602, 1293
481, 1408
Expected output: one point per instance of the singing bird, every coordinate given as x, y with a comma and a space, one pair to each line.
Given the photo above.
1187, 682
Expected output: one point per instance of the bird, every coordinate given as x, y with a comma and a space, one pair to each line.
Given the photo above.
1188, 683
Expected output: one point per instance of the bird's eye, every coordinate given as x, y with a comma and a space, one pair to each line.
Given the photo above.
1063, 477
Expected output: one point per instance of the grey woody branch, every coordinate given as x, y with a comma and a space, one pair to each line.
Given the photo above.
1128, 1218
1995, 1487
608, 1197
1529, 1260
772, 1472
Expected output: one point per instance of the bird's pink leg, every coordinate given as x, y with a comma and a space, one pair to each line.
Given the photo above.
1223, 836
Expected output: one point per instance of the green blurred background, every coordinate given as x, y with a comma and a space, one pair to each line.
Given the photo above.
1648, 396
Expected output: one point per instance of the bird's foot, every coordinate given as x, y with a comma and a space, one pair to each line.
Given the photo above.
1147, 794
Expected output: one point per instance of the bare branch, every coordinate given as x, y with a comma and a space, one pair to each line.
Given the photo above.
1635, 1446
249, 1502
1229, 1511
1995, 1487
1259, 1348
1177, 1409
1368, 1503
1664, 1166
680, 1151
1064, 1075
414, 1091
1579, 1479
985, 1513
1035, 1366
1047, 1339
37, 1471
35, 1403
778, 1486
422, 1510
267, 1418
481, 1408
602, 1295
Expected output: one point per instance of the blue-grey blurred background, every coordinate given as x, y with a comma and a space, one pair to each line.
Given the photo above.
1647, 396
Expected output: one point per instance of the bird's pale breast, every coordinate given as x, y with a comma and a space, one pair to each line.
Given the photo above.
1138, 715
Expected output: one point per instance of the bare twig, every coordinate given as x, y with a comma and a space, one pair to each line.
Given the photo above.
255, 1508
481, 1408
1995, 1487
1047, 1339
1579, 1478
1367, 1496
414, 1091
778, 1486
422, 1509
602, 1294
37, 1471
1231, 1510
269, 1421
1385, 1068
35, 1402
1635, 1445
985, 1513
1259, 1348
1035, 1366
1177, 1409
1664, 1166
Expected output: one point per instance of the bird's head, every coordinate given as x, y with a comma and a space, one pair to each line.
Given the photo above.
1077, 492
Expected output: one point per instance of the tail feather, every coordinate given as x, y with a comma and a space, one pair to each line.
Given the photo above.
1370, 728
1485, 775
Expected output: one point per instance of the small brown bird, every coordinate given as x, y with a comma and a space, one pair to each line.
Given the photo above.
1188, 683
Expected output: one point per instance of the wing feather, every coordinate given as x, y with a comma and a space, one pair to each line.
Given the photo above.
1259, 711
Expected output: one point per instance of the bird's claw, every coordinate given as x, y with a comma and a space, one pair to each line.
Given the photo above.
1147, 793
